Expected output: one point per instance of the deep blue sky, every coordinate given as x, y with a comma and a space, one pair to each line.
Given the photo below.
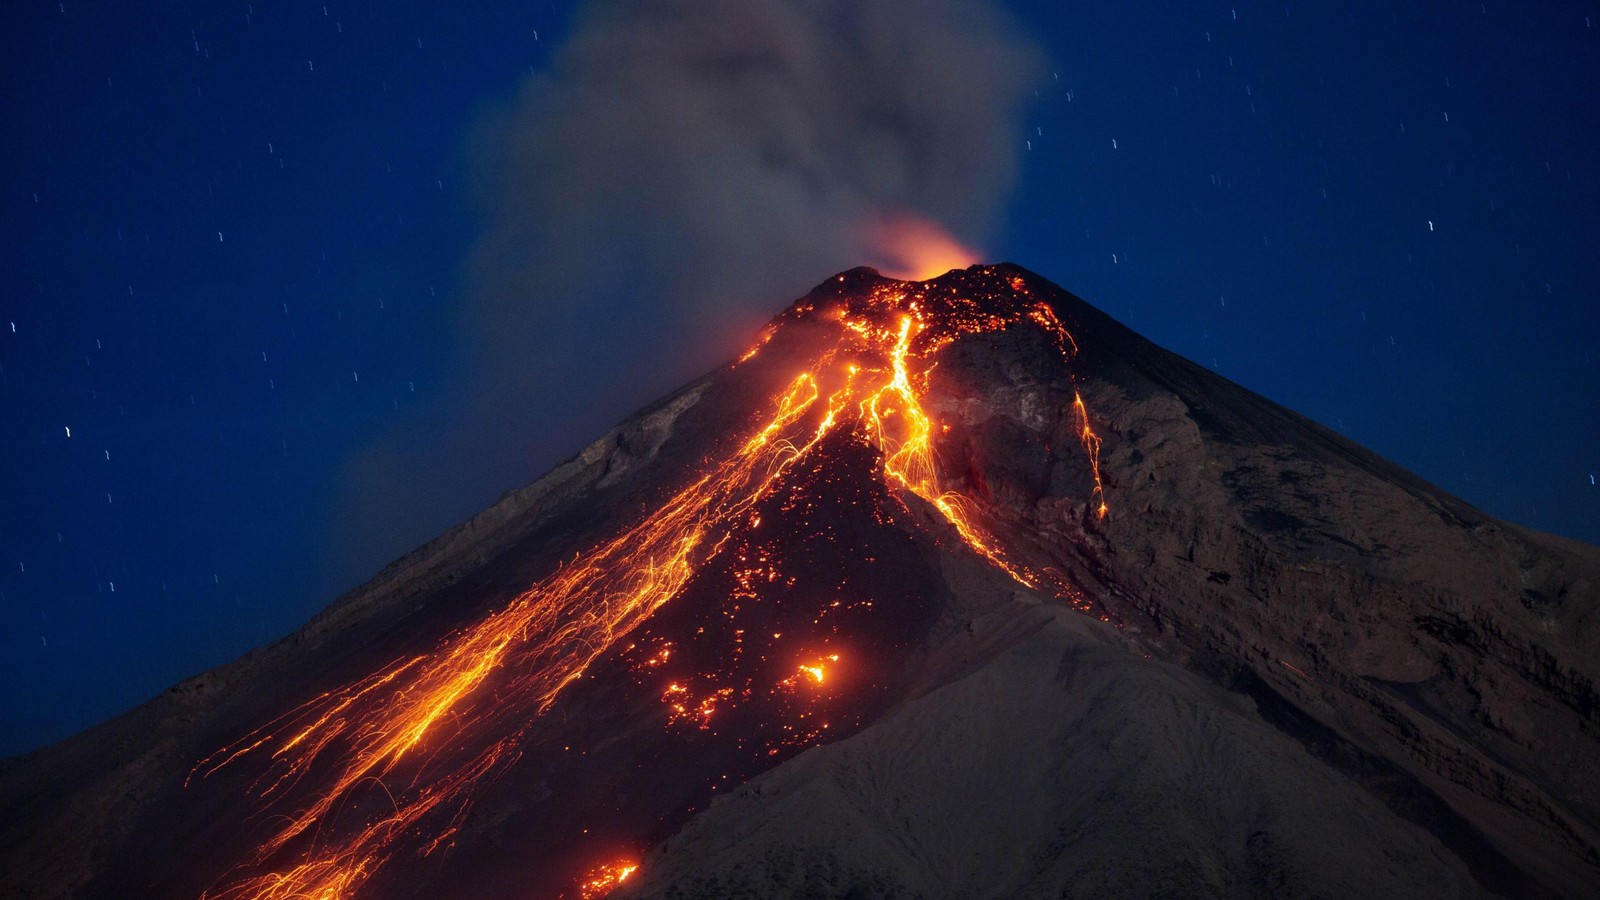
231, 240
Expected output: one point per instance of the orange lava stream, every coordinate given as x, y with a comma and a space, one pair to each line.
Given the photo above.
1091, 445
554, 630
391, 744
908, 448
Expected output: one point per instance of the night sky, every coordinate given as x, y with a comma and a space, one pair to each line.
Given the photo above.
242, 271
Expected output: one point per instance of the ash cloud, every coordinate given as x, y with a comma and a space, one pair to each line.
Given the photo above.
683, 169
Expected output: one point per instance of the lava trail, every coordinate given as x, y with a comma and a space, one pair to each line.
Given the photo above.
405, 750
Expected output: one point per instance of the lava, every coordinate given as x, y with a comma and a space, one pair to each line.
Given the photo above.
604, 879
818, 671
394, 750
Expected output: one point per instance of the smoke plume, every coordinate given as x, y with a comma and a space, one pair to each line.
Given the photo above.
682, 169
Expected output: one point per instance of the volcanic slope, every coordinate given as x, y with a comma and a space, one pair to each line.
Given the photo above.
946, 589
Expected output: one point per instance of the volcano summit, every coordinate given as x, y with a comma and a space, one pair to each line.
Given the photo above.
951, 588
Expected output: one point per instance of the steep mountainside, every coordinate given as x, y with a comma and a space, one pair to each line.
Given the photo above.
946, 589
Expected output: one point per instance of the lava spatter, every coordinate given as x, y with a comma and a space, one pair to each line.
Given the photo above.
391, 764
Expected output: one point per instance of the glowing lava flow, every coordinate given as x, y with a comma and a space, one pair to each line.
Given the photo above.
389, 750
603, 880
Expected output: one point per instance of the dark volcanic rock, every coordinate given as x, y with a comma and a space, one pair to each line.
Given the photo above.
1308, 673
1444, 660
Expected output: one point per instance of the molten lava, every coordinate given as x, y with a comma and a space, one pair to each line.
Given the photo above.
404, 749
602, 880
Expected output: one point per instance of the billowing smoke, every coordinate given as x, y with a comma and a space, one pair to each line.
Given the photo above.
682, 169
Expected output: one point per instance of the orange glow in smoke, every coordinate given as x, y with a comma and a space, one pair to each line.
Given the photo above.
914, 249
393, 743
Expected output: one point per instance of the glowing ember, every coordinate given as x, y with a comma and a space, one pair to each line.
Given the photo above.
396, 749
818, 671
602, 880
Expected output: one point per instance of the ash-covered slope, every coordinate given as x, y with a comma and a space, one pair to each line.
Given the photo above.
1056, 612
1438, 661
1063, 767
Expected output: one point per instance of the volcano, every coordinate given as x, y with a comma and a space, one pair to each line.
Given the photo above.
946, 588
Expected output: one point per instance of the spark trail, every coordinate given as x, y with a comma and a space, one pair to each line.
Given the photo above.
399, 734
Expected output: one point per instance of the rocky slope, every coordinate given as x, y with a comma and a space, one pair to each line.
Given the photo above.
1306, 672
